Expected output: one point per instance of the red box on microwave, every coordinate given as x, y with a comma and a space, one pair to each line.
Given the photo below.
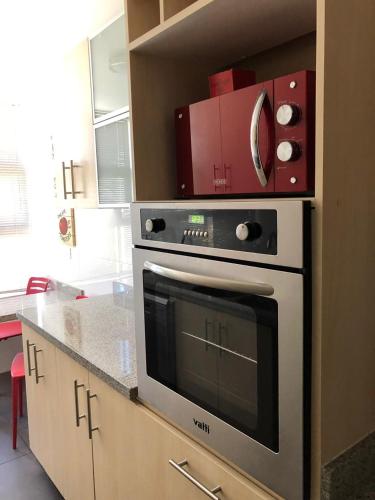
232, 79
257, 140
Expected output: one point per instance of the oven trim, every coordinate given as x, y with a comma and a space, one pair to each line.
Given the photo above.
290, 230
283, 471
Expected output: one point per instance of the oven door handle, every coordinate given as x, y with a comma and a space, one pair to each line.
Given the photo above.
209, 281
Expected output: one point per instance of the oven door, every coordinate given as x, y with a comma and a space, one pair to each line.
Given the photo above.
220, 352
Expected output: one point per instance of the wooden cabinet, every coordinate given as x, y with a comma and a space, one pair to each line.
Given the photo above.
155, 443
42, 402
113, 443
73, 133
128, 454
75, 453
109, 70
132, 450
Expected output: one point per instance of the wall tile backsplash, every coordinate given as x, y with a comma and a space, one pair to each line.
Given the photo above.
103, 247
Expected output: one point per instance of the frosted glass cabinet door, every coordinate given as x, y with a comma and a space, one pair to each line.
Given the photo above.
109, 67
113, 161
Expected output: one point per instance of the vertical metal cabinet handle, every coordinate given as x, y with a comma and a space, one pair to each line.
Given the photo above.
74, 192
72, 178
254, 138
37, 376
78, 416
64, 179
210, 493
28, 345
89, 418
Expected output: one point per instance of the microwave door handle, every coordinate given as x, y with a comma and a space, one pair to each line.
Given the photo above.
254, 138
209, 281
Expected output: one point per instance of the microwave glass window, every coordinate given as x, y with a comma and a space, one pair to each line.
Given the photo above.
216, 348
113, 162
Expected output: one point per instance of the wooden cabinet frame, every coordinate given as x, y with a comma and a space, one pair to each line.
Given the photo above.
169, 66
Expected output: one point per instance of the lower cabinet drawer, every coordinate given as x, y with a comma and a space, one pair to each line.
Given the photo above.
158, 450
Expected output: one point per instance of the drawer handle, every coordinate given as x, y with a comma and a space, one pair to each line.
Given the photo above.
37, 376
179, 466
78, 416
89, 418
29, 369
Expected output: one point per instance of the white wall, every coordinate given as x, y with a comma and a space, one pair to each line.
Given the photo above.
103, 247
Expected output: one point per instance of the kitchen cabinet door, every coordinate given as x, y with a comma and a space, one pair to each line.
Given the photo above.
73, 133
208, 173
112, 140
116, 474
109, 65
42, 402
155, 442
75, 450
236, 109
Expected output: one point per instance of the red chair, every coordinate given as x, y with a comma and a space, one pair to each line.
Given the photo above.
37, 285
10, 329
17, 373
78, 297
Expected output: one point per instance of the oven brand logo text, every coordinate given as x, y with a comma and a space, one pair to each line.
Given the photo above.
202, 426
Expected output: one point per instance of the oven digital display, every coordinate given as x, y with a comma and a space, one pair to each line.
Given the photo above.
196, 219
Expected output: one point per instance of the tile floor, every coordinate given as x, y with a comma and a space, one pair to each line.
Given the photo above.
21, 476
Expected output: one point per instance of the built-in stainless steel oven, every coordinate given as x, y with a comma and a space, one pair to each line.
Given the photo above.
222, 329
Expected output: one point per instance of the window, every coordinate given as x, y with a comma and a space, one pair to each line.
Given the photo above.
14, 217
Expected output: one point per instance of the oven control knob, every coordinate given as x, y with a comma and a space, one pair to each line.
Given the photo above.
288, 151
154, 225
248, 231
287, 114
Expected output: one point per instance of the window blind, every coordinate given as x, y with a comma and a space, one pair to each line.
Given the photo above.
14, 216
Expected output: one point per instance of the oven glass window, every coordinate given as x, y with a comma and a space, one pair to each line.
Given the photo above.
216, 348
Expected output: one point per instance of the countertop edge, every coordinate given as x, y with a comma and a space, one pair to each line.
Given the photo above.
129, 392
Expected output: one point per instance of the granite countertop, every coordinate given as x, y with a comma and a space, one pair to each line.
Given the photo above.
10, 305
97, 332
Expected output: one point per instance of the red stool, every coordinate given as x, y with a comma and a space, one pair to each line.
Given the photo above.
37, 285
17, 373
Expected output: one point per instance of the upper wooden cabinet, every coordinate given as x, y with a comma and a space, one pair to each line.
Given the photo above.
109, 69
73, 133
91, 137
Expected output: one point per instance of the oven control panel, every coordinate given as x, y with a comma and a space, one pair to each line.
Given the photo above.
253, 230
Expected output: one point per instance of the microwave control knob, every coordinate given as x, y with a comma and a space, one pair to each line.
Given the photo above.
288, 151
248, 231
154, 225
287, 114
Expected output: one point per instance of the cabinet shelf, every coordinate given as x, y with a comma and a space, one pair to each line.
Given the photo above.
211, 27
172, 7
143, 16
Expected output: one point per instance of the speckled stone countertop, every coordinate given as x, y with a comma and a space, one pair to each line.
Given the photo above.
10, 305
97, 332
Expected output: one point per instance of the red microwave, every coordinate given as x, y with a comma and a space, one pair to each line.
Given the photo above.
259, 139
